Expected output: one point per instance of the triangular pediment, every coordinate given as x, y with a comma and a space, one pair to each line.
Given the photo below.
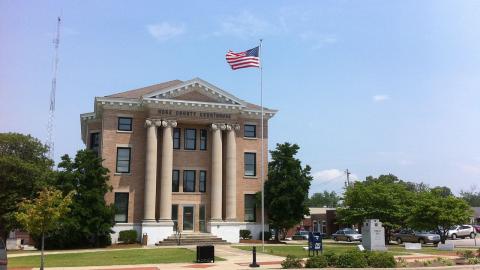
196, 90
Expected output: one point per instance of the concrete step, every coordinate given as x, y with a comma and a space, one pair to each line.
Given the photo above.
193, 239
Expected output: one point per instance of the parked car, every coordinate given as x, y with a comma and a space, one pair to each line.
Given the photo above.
347, 234
461, 231
301, 235
477, 228
412, 236
3, 256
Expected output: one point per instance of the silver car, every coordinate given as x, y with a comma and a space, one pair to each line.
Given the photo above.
461, 231
3, 256
347, 234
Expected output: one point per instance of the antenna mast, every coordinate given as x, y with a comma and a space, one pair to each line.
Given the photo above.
51, 116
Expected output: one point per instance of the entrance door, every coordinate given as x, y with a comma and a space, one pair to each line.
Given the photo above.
188, 218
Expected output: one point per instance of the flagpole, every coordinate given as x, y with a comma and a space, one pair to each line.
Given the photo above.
262, 151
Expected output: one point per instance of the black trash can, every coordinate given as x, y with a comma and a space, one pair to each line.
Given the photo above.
205, 254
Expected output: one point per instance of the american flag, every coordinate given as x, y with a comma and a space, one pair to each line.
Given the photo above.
244, 59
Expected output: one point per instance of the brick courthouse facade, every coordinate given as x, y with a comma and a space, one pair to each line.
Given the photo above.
182, 155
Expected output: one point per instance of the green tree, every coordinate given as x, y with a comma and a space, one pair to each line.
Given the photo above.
472, 198
24, 170
442, 191
286, 190
91, 219
433, 211
325, 199
41, 216
385, 198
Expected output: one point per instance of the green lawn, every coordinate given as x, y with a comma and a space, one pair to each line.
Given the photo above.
297, 250
115, 257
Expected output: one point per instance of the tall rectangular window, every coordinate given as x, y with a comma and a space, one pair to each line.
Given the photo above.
250, 208
203, 139
123, 159
121, 207
250, 131
175, 216
202, 182
95, 142
175, 180
125, 123
250, 161
190, 139
188, 181
176, 138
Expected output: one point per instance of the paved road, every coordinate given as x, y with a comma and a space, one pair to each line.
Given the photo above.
467, 242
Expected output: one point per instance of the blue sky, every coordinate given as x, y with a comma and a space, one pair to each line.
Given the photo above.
373, 86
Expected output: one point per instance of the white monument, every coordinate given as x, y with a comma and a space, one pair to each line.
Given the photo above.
373, 235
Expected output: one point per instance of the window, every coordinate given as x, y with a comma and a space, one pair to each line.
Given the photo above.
250, 208
188, 181
176, 138
250, 160
95, 142
123, 159
121, 207
175, 216
203, 139
202, 181
250, 131
125, 123
175, 180
190, 138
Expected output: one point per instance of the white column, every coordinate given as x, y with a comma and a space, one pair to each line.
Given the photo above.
166, 171
150, 171
231, 174
216, 190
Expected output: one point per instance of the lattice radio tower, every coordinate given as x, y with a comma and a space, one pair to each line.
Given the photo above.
51, 116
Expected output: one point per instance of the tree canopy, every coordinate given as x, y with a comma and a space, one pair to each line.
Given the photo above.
434, 211
385, 198
90, 220
286, 190
41, 215
324, 199
24, 170
399, 204
471, 197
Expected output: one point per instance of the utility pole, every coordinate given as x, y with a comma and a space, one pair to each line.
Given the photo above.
347, 172
51, 116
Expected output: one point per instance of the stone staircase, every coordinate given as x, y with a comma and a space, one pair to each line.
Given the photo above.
193, 239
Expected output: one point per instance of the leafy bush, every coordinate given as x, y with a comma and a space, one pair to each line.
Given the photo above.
291, 262
266, 234
316, 262
474, 260
245, 234
380, 259
331, 258
128, 236
467, 254
352, 259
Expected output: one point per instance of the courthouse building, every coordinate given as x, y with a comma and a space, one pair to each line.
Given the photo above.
182, 155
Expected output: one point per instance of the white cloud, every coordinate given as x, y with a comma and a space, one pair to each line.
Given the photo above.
165, 31
330, 179
245, 25
317, 40
473, 169
380, 98
327, 175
